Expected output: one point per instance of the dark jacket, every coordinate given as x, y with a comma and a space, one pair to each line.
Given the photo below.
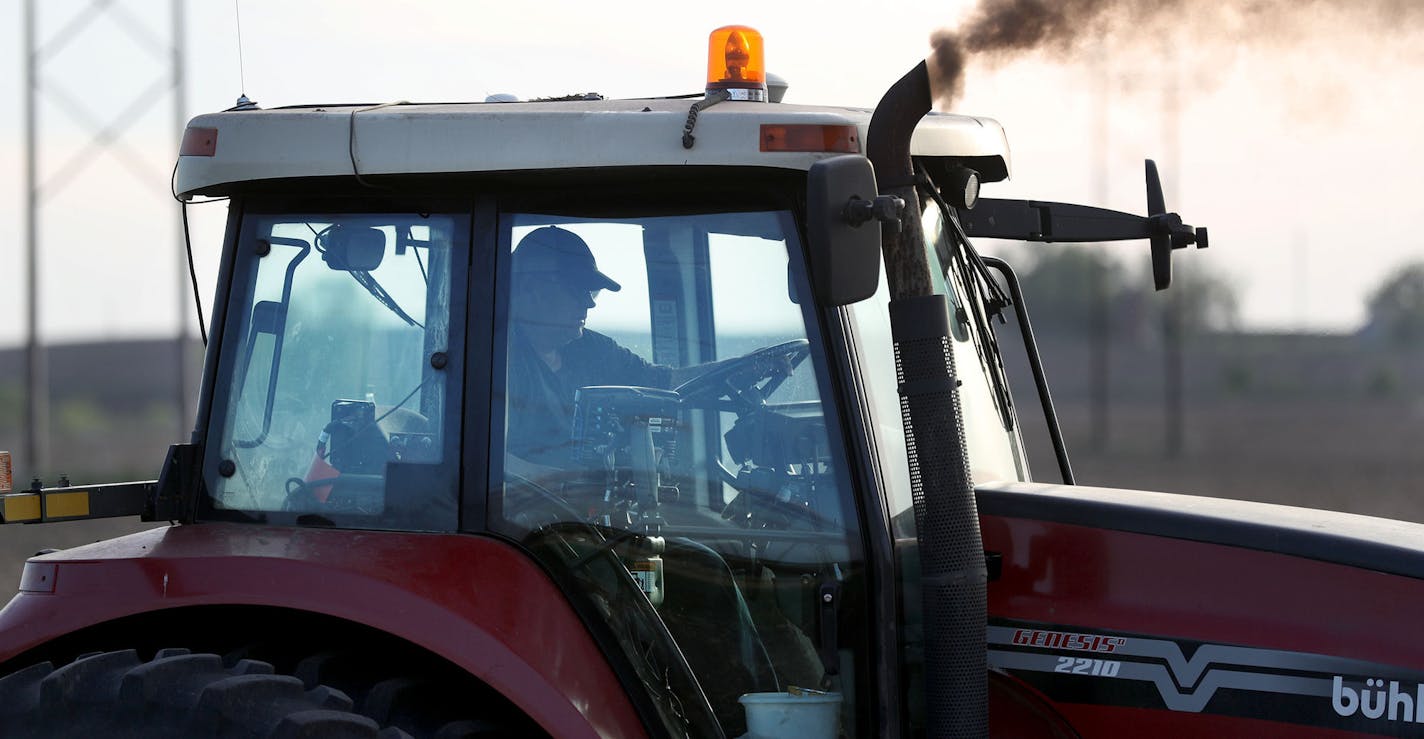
541, 401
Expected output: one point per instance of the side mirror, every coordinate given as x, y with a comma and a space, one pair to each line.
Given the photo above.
352, 249
843, 233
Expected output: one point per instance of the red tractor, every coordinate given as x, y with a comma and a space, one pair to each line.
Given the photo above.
666, 418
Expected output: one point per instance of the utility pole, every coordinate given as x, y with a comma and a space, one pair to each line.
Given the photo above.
182, 359
36, 421
1100, 359
1173, 322
106, 129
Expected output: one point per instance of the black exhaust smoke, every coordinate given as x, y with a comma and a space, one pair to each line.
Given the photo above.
997, 31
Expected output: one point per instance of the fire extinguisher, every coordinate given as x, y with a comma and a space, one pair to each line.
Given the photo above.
321, 474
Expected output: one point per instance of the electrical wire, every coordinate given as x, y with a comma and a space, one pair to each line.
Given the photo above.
420, 262
351, 141
377, 420
173, 189
193, 275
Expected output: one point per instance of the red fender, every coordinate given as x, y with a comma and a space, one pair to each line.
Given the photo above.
477, 601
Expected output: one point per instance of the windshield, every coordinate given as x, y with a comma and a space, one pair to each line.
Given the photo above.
994, 448
338, 407
666, 450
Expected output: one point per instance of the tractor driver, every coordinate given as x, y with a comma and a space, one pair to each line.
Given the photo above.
555, 281
551, 355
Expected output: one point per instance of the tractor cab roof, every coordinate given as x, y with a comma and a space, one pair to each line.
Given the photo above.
237, 146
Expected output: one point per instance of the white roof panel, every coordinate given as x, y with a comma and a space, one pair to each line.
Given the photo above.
319, 141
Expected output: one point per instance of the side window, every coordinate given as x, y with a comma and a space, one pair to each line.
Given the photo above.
338, 405
746, 276
665, 448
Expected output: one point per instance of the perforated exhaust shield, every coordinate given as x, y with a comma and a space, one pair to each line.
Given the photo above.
953, 573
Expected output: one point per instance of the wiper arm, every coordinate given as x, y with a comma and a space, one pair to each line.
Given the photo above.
366, 280
997, 300
977, 282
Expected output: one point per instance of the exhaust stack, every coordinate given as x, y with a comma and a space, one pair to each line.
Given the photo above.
953, 573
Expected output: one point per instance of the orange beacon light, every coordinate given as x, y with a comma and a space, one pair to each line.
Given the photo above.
736, 62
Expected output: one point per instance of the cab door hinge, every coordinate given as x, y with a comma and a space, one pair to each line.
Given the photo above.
175, 495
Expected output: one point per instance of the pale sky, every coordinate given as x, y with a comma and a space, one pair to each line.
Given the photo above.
1303, 160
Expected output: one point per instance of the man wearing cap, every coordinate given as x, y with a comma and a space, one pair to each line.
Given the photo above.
551, 354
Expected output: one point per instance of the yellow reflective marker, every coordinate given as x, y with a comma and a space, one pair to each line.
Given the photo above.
67, 504
17, 508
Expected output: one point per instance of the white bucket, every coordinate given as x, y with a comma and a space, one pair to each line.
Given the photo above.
787, 716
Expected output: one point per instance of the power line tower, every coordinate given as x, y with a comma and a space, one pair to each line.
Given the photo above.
106, 131
1173, 317
1100, 321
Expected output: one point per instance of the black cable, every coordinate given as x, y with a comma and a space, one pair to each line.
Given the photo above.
376, 421
403, 401
188, 245
351, 142
173, 189
712, 99
351, 150
193, 275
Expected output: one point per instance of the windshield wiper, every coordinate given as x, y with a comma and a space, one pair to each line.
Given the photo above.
372, 285
983, 289
366, 280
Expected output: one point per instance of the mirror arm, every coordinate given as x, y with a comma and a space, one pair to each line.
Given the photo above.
1033, 220
884, 208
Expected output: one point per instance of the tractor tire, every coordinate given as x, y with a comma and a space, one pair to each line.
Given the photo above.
423, 704
176, 694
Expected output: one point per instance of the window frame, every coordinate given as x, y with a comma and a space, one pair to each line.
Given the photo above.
478, 352
238, 290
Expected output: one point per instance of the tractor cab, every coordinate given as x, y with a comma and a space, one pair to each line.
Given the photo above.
632, 380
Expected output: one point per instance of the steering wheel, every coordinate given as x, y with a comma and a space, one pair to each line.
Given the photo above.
736, 379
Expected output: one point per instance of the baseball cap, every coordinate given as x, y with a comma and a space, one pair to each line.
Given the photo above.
562, 253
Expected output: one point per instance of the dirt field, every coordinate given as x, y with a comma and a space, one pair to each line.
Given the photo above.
1303, 421
1353, 456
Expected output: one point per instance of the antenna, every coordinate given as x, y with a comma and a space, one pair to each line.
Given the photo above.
242, 99
242, 71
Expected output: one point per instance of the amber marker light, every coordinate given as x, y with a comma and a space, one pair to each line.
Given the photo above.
199, 142
810, 137
736, 63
